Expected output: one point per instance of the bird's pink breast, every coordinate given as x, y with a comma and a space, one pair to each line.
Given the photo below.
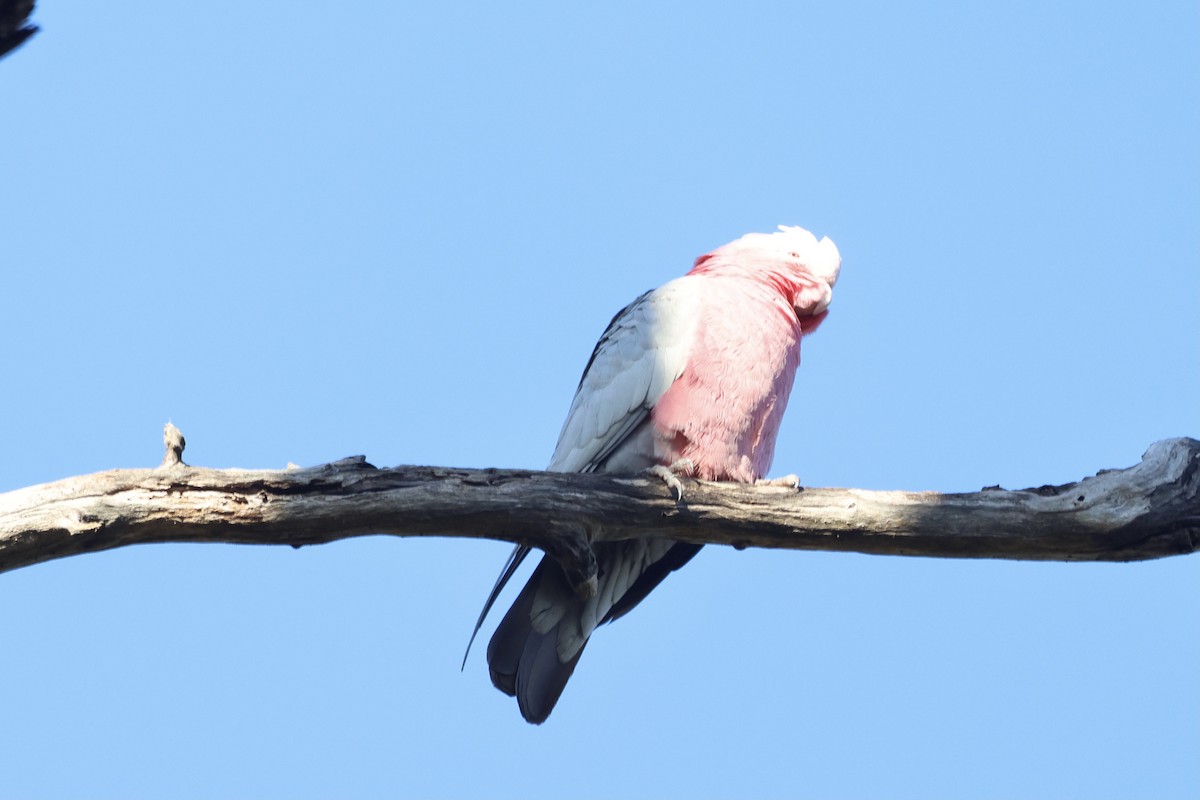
724, 410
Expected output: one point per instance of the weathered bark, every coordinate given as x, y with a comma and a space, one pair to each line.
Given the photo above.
1146, 511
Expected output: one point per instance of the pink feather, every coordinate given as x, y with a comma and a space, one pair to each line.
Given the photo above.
698, 369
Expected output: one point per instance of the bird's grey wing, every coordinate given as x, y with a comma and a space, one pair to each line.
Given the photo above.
638, 357
642, 352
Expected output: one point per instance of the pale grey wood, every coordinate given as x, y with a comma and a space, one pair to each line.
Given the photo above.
1147, 511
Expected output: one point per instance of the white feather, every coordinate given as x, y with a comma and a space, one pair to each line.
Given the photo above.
641, 354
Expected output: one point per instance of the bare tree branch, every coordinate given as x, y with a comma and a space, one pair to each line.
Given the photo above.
1146, 511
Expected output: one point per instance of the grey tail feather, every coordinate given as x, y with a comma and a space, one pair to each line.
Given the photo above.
679, 554
525, 663
514, 560
508, 642
542, 677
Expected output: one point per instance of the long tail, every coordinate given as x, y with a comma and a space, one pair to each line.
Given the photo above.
524, 663
537, 644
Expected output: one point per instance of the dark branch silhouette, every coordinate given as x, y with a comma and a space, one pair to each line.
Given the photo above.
15, 27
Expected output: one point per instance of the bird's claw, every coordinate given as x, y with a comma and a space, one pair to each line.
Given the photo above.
670, 475
787, 481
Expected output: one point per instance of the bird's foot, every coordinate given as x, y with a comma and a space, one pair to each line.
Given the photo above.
787, 481
670, 475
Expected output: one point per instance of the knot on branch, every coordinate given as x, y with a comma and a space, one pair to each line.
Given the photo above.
571, 547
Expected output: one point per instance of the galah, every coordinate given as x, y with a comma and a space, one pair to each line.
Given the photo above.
692, 376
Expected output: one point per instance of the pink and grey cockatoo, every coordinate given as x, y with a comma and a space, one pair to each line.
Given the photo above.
692, 376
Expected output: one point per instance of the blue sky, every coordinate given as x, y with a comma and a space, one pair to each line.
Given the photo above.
397, 231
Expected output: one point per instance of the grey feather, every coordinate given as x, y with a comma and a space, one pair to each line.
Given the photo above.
537, 644
514, 560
